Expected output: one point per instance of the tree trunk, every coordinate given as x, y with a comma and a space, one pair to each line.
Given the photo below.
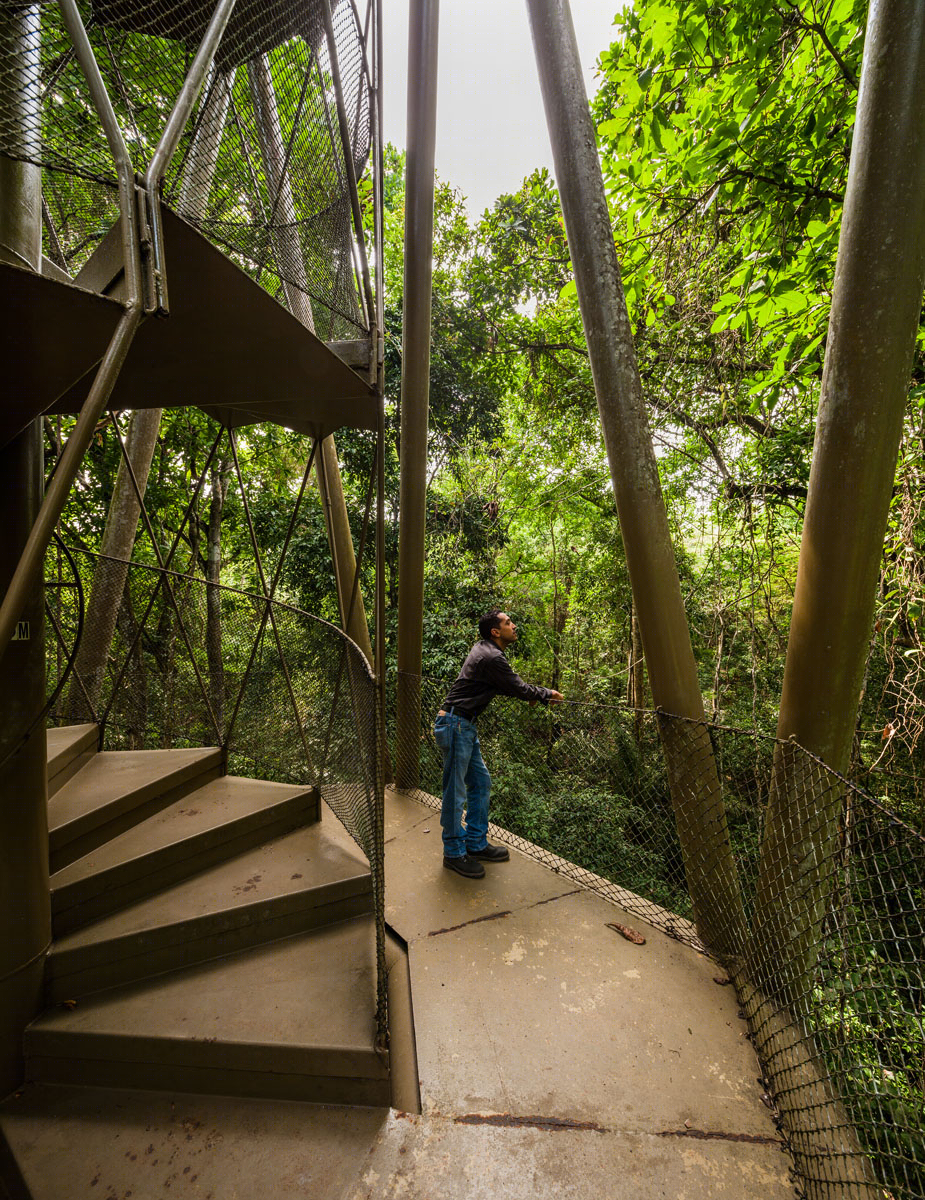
141, 440
109, 576
331, 489
556, 609
284, 236
718, 667
136, 676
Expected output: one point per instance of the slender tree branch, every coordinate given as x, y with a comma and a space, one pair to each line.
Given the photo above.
818, 28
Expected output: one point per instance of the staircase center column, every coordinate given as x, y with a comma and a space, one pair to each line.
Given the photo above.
25, 921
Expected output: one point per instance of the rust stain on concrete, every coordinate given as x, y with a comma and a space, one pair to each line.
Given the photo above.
552, 899
710, 1134
550, 1124
475, 921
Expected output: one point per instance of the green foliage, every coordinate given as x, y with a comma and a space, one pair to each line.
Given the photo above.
737, 119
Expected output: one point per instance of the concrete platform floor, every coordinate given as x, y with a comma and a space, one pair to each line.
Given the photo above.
556, 1059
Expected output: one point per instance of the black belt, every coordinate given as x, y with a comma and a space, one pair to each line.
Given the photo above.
453, 710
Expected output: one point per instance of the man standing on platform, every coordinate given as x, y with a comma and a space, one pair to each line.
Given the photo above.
486, 673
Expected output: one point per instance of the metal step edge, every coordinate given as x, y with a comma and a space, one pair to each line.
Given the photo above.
59, 760
136, 957
77, 904
149, 1054
373, 1092
77, 838
68, 771
171, 777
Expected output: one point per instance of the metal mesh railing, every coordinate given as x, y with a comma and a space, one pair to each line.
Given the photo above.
288, 696
830, 972
261, 166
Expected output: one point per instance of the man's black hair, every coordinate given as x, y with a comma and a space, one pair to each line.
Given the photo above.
489, 622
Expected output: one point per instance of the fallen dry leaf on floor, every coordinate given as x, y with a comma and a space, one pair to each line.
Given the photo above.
630, 934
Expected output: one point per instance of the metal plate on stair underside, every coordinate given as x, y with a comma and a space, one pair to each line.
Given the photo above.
255, 26
53, 333
229, 348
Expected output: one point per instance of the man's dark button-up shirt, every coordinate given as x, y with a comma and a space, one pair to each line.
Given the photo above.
486, 673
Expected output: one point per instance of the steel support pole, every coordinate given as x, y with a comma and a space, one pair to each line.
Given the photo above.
125, 171
341, 541
874, 320
196, 75
415, 378
170, 138
25, 914
699, 813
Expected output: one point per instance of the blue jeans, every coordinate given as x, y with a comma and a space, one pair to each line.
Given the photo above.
466, 783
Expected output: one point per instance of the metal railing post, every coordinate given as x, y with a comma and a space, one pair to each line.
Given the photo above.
117, 147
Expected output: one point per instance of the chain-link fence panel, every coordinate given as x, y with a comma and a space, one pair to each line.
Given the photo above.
831, 884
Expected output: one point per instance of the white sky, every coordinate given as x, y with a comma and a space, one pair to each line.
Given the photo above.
491, 130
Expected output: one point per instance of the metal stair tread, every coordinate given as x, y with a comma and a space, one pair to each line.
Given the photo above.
315, 857
304, 1002
218, 803
66, 741
115, 775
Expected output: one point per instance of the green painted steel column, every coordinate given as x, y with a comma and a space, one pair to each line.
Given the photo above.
415, 378
25, 918
876, 308
696, 795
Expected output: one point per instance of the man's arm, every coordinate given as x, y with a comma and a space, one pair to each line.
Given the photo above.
497, 671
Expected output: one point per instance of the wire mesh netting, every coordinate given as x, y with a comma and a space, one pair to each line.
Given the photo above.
190, 663
261, 167
825, 899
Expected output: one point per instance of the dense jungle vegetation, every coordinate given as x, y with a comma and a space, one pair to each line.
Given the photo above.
724, 135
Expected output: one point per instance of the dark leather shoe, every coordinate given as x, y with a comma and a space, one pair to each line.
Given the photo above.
491, 853
466, 865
